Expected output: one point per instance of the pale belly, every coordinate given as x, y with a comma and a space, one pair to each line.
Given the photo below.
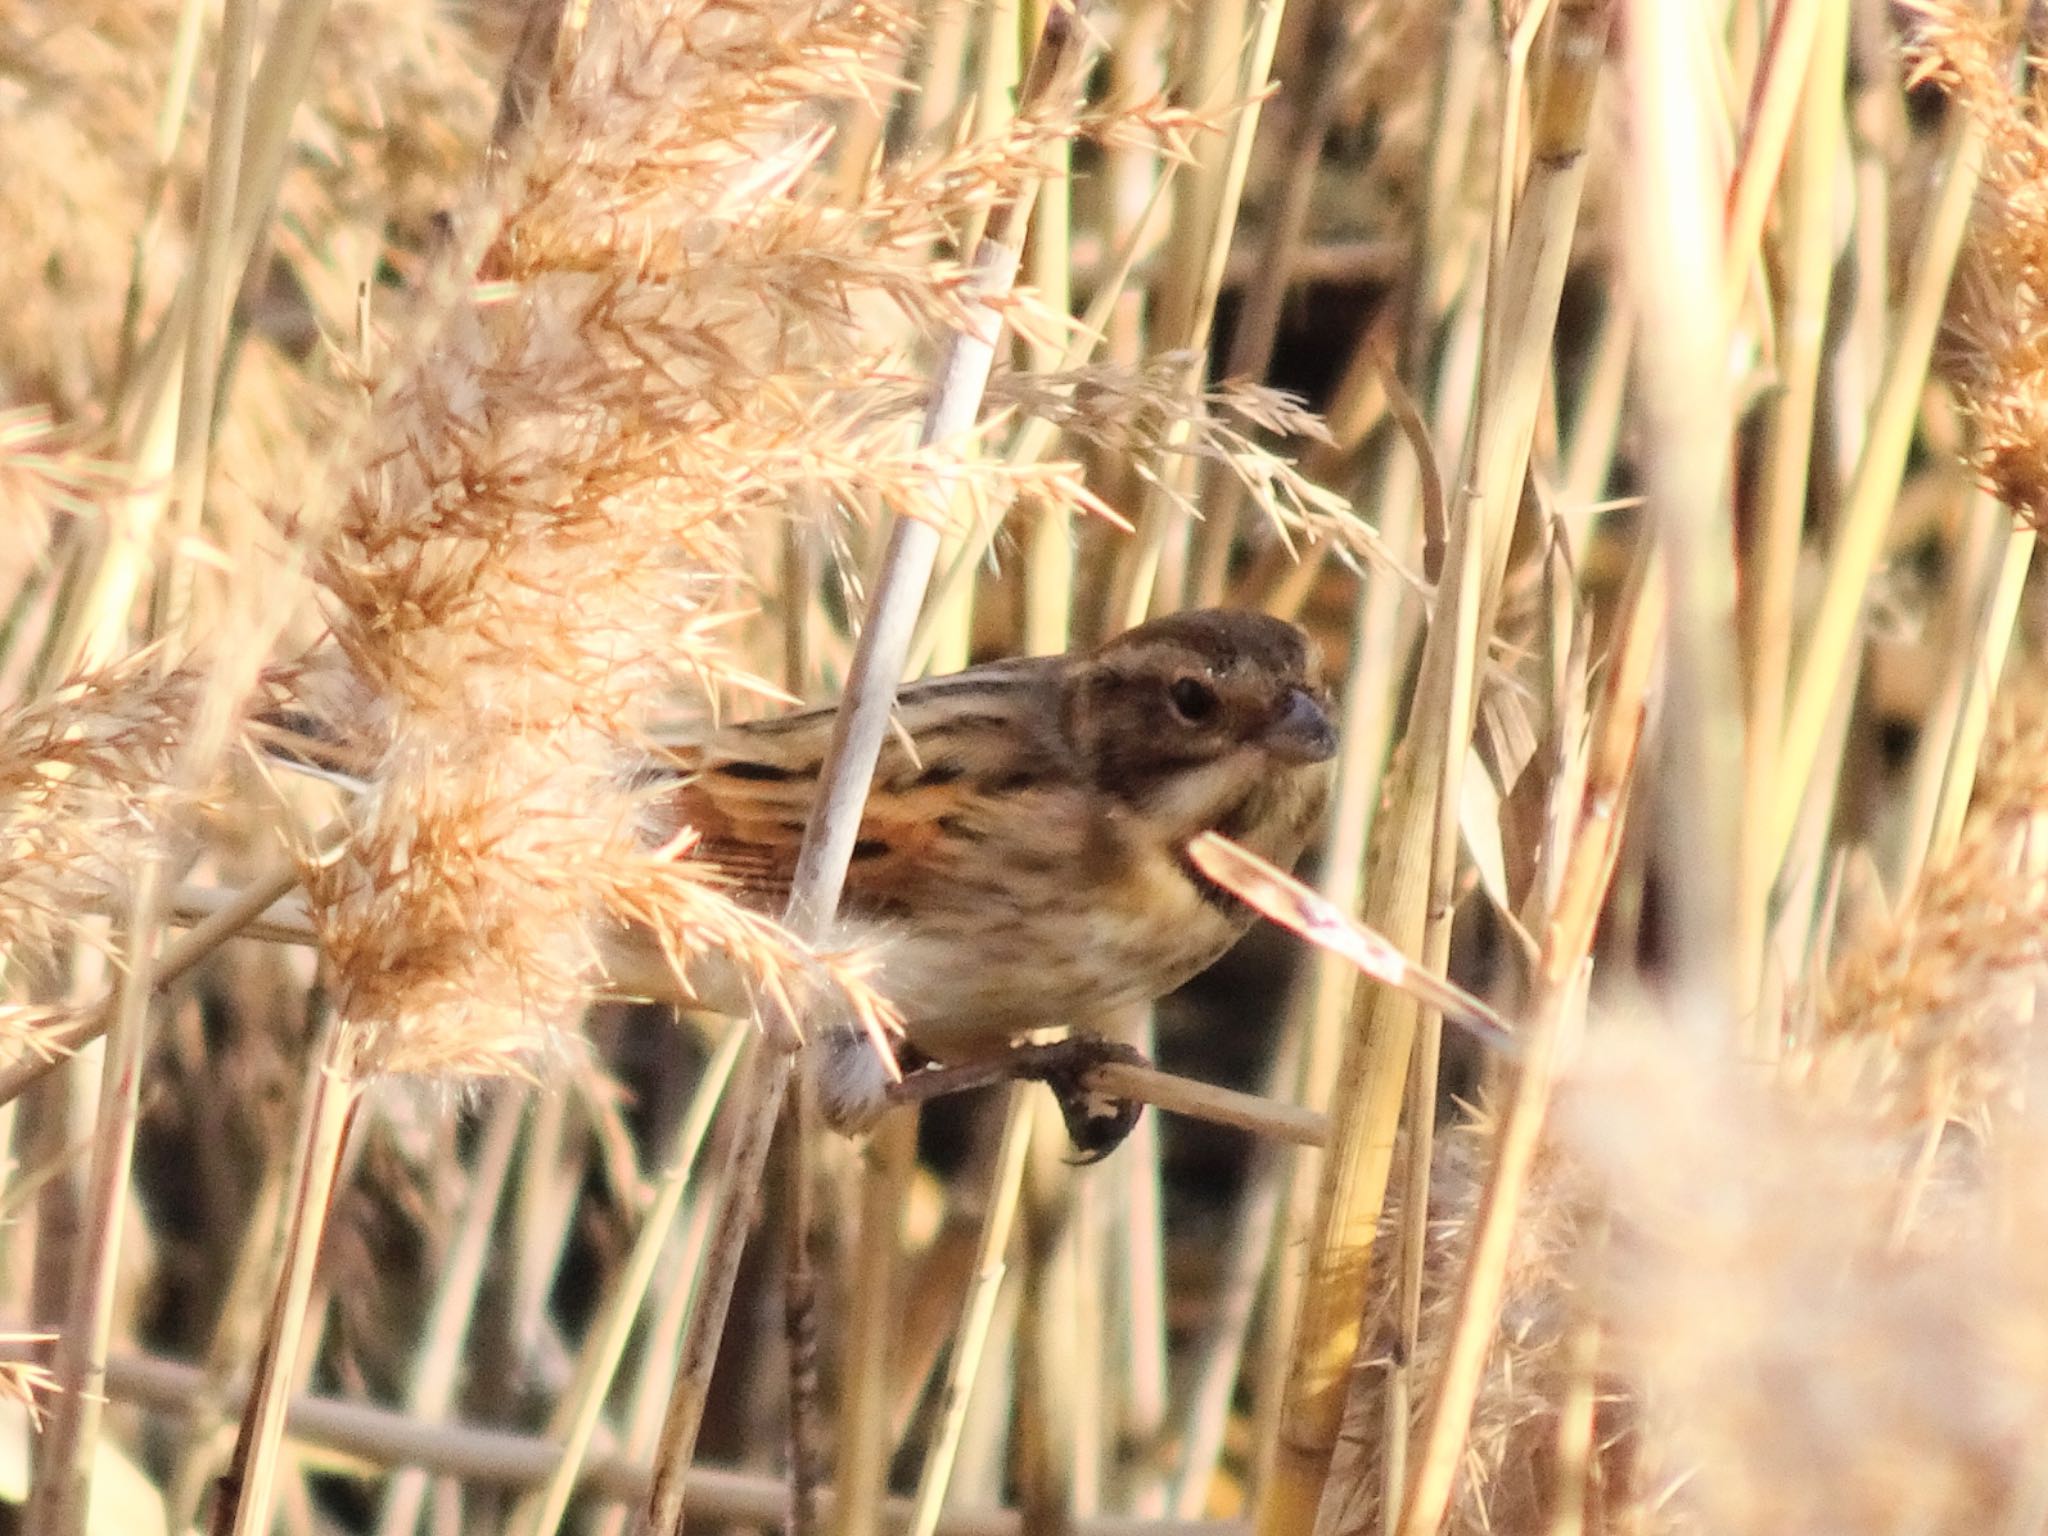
972, 989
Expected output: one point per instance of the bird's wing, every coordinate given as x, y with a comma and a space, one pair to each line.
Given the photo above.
959, 744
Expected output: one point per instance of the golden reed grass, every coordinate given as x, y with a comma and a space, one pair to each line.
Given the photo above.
535, 446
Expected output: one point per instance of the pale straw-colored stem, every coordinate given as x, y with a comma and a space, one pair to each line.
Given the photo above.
1612, 749
976, 1315
1206, 219
873, 1331
1990, 572
1807, 256
1334, 29
66, 1453
1787, 81
213, 287
575, 1418
1829, 646
1219, 1356
1373, 1077
248, 1487
170, 125
1675, 256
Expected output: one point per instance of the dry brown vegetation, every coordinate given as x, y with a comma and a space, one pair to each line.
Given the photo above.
1643, 403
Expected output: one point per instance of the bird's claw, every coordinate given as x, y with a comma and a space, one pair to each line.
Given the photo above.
1097, 1122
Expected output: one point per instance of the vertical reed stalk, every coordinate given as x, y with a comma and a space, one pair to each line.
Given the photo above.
1373, 1076
64, 1459
977, 1315
1829, 646
1689, 417
874, 1324
1152, 575
1807, 242
576, 1418
438, 1369
1560, 999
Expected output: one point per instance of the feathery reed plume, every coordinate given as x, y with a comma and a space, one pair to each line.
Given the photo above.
675, 332
40, 475
1801, 1361
1978, 57
83, 771
1932, 1006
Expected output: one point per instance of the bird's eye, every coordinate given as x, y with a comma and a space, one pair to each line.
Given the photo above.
1193, 700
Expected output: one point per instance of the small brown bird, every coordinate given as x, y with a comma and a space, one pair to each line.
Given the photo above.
1022, 861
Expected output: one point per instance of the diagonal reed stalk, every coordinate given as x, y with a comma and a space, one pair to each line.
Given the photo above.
858, 729
1872, 493
1559, 1002
248, 1487
437, 1371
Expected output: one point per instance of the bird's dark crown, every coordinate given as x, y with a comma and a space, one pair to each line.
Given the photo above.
1224, 641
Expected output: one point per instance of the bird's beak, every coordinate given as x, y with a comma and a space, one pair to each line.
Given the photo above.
1302, 732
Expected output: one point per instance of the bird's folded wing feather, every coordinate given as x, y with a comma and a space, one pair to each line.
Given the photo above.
959, 743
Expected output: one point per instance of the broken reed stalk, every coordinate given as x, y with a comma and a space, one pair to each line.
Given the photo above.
1373, 1077
834, 823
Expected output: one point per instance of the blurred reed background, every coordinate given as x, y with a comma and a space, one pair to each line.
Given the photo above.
1642, 403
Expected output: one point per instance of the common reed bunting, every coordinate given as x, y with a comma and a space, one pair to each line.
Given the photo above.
1023, 860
